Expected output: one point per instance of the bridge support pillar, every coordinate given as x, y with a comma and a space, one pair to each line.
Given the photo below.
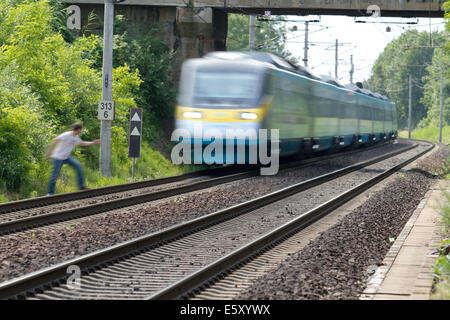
201, 30
191, 32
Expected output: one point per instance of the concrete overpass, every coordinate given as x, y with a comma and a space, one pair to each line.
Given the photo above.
396, 8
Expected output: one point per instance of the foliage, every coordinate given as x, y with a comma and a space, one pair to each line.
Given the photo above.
408, 54
431, 94
445, 173
423, 55
442, 267
446, 7
270, 36
441, 61
430, 133
22, 132
56, 71
48, 80
145, 49
50, 77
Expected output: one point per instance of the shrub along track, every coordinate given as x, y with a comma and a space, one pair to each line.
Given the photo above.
143, 283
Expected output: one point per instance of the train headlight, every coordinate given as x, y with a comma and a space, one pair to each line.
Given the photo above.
249, 116
192, 114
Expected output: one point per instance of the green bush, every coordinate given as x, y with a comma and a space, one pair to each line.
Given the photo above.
146, 50
46, 84
50, 77
23, 133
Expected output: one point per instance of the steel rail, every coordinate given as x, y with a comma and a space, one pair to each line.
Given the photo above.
23, 224
84, 194
57, 273
69, 214
241, 255
78, 195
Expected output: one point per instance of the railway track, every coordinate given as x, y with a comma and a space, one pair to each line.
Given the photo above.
23, 215
171, 263
78, 195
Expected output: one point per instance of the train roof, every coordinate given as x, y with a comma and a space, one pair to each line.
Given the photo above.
264, 57
284, 64
355, 88
331, 80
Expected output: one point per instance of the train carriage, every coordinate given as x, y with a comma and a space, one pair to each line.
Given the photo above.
255, 90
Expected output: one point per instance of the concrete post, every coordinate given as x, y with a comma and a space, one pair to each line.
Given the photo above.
409, 107
252, 32
336, 60
105, 135
352, 69
441, 98
306, 44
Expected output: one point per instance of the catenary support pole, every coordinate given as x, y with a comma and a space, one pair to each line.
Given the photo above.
352, 69
105, 135
441, 101
409, 107
305, 55
336, 60
252, 32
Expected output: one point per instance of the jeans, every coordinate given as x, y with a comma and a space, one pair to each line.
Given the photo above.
57, 165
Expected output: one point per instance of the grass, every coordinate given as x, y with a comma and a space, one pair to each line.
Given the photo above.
151, 165
442, 268
428, 133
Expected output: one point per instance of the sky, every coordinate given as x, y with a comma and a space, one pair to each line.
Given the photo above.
365, 41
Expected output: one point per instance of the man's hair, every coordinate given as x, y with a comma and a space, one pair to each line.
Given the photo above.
77, 126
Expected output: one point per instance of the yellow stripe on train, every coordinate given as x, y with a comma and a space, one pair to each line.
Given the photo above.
224, 115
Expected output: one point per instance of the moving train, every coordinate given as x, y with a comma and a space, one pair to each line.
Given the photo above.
257, 90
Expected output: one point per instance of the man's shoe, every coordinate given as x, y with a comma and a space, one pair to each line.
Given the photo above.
85, 188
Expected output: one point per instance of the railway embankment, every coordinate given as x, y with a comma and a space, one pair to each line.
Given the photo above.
345, 260
333, 232
41, 247
408, 269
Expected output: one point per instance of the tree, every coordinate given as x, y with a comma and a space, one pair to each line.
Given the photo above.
411, 53
441, 61
270, 36
47, 83
432, 89
145, 49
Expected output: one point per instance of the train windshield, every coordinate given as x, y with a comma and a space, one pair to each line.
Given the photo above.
214, 87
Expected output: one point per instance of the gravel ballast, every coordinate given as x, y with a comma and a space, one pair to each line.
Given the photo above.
337, 264
30, 251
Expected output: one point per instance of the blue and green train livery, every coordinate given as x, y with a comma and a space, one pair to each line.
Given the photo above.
255, 90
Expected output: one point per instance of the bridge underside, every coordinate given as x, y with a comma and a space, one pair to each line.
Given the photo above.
388, 8
339, 12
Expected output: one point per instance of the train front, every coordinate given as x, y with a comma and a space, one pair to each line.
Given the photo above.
220, 109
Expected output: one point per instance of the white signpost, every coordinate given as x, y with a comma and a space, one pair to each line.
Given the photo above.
106, 110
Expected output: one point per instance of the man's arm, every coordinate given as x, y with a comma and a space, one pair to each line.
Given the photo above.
89, 143
52, 147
